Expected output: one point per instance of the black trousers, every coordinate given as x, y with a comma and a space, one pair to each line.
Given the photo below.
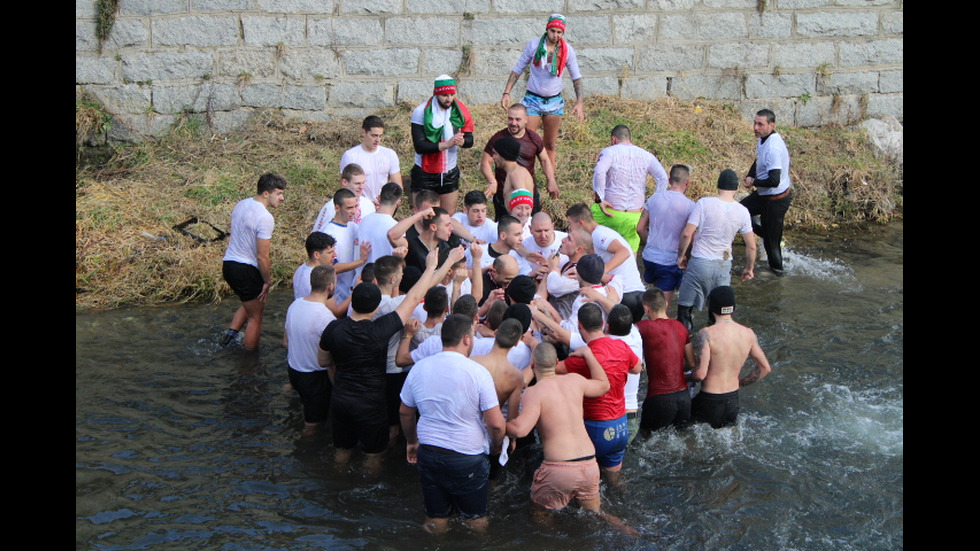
772, 213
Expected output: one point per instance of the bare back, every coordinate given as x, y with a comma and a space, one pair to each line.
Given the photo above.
518, 178
560, 421
507, 380
725, 346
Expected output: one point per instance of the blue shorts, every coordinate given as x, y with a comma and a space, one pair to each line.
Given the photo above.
666, 277
539, 105
610, 439
453, 482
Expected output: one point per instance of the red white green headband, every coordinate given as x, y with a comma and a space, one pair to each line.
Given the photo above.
556, 21
444, 85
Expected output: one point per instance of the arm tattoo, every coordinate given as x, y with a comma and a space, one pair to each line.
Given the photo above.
579, 91
750, 378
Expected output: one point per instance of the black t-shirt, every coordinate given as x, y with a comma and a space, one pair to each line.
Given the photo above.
360, 354
417, 251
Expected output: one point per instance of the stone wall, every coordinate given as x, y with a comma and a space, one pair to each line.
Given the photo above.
811, 61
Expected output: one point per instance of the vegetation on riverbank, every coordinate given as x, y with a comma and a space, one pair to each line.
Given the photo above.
130, 208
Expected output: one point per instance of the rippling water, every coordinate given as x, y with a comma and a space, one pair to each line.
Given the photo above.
183, 445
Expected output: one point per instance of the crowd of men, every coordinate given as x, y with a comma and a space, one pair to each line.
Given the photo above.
465, 335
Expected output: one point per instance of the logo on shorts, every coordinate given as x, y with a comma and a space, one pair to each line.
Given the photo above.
609, 433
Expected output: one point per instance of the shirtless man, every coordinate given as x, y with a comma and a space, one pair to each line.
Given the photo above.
507, 379
554, 405
725, 345
518, 183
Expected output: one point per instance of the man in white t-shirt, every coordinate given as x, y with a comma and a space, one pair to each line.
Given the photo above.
380, 163
772, 193
711, 228
353, 179
306, 319
544, 240
451, 419
352, 253
246, 265
616, 253
663, 219
319, 252
375, 226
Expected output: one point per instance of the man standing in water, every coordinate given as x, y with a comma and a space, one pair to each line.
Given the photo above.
246, 265
451, 419
725, 346
769, 175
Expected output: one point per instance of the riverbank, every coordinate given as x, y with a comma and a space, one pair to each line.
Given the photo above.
150, 216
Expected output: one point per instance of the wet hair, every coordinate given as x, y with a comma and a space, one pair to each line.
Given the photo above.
436, 301
466, 305
475, 197
269, 182
321, 277
621, 132
509, 333
590, 316
342, 194
579, 211
318, 241
372, 121
620, 320
390, 193
654, 299
679, 173
767, 113
454, 328
351, 170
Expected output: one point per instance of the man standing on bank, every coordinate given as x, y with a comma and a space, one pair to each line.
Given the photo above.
440, 126
769, 175
548, 56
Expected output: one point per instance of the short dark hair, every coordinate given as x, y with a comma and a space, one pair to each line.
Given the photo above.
372, 121
367, 273
620, 320
341, 195
579, 211
454, 328
318, 241
621, 131
466, 305
436, 213
767, 113
475, 197
424, 196
365, 298
390, 193
269, 182
679, 173
590, 316
505, 222
387, 266
322, 276
509, 333
436, 301
654, 299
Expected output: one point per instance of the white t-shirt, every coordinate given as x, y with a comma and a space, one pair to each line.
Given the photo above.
771, 154
329, 211
602, 237
374, 229
635, 341
301, 281
388, 305
250, 220
378, 166
305, 322
620, 175
348, 250
717, 221
550, 250
668, 211
451, 392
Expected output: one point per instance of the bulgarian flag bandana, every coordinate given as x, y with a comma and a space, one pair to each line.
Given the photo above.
435, 126
561, 49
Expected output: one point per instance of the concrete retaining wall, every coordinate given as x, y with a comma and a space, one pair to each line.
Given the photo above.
811, 61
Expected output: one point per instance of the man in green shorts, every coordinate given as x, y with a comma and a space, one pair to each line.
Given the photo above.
620, 184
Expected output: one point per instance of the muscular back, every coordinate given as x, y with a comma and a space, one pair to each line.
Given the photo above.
558, 401
724, 348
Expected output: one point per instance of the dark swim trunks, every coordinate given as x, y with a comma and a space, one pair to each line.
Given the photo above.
718, 410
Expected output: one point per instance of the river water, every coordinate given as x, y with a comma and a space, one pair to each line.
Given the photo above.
180, 444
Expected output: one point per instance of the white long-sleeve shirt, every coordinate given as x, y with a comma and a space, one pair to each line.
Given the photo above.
620, 175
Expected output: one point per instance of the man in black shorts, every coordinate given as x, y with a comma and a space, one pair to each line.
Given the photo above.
354, 349
440, 126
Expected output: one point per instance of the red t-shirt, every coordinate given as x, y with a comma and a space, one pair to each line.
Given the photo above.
663, 350
616, 359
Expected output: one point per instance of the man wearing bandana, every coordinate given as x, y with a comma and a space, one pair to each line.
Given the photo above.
548, 57
440, 126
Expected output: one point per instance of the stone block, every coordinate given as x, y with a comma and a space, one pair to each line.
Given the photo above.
163, 66
382, 63
271, 31
196, 30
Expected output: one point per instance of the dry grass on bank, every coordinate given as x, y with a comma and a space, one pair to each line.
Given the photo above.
128, 252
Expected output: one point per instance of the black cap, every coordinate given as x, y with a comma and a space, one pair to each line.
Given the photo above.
721, 300
365, 298
728, 179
